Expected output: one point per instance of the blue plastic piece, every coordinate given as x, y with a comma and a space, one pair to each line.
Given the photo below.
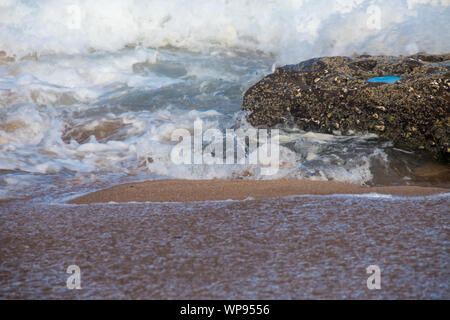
389, 79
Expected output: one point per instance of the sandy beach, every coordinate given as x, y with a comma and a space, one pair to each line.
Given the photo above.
209, 190
280, 248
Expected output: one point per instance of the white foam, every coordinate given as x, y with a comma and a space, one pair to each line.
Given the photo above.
31, 141
292, 29
67, 80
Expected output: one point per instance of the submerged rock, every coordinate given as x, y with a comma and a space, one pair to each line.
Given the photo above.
402, 99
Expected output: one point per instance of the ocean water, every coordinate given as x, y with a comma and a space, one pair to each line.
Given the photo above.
96, 90
90, 94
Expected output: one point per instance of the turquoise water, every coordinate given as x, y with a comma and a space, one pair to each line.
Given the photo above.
389, 79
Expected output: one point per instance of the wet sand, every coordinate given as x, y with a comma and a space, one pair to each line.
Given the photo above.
285, 248
210, 190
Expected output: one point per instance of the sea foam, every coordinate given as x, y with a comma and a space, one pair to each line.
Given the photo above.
290, 29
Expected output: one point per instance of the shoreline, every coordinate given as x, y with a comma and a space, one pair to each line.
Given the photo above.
220, 190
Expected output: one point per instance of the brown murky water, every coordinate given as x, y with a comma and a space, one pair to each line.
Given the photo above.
292, 248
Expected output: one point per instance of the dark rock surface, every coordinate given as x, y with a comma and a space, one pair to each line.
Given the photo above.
333, 94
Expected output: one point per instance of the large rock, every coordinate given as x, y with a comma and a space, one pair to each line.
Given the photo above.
333, 94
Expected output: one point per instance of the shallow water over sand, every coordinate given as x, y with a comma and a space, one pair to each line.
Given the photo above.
303, 247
